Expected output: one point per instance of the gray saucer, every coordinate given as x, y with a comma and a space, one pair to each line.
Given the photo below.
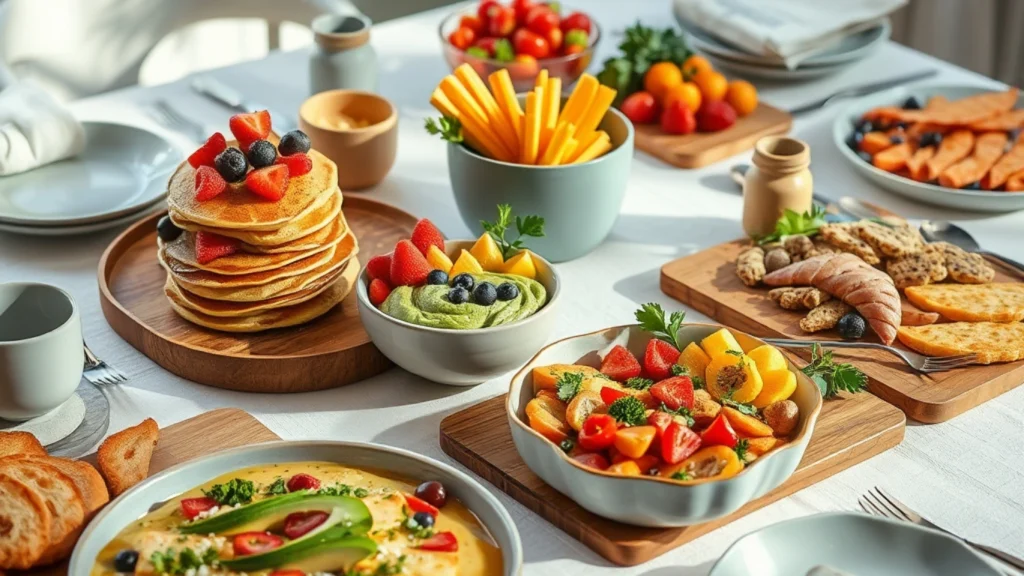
70, 432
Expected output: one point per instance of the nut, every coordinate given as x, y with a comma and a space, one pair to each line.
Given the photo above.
776, 259
782, 416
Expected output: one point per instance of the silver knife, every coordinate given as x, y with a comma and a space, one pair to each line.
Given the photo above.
226, 95
862, 90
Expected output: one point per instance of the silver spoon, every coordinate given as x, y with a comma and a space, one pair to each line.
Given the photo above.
941, 231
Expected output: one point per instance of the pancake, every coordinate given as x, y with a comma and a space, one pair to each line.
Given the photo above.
321, 213
238, 208
308, 242
280, 317
280, 287
183, 249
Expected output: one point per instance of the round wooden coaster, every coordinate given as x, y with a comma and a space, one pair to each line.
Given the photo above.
328, 352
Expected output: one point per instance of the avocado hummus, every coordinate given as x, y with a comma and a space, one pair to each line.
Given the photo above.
429, 306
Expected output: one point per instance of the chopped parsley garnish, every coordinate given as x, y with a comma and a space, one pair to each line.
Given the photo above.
629, 411
638, 383
740, 407
680, 475
360, 492
276, 488
178, 564
569, 385
741, 448
338, 489
736, 353
682, 411
832, 378
698, 381
234, 491
651, 318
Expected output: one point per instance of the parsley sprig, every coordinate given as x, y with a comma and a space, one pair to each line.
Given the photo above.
792, 223
740, 407
569, 385
652, 319
831, 377
528, 226
450, 129
232, 492
741, 448
638, 383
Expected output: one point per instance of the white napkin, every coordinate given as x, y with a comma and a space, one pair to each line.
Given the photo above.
35, 129
785, 31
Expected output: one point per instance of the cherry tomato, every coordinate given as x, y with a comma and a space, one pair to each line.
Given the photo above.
526, 42
678, 443
462, 37
554, 38
573, 49
524, 66
248, 543
609, 395
576, 21
675, 392
473, 22
302, 482
486, 44
440, 542
640, 107
522, 9
191, 507
417, 505
298, 523
541, 19
502, 22
598, 432
719, 433
485, 9
592, 460
677, 118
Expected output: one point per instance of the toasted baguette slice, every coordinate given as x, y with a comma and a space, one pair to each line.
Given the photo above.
26, 521
124, 457
16, 443
62, 499
87, 480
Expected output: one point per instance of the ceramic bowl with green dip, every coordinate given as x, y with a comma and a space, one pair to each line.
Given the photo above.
462, 344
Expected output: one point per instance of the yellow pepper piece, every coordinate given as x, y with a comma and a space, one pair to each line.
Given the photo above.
719, 343
778, 385
466, 263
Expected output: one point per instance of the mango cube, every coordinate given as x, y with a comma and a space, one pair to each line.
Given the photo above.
487, 253
694, 360
438, 260
778, 385
768, 358
466, 263
719, 343
521, 264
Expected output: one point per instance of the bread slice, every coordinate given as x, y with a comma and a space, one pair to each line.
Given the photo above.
87, 481
62, 499
124, 457
26, 522
15, 443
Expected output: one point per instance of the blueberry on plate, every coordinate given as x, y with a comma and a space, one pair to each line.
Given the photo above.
231, 164
863, 126
424, 519
507, 291
897, 139
437, 277
261, 154
912, 103
464, 280
485, 294
930, 139
976, 185
458, 295
854, 141
851, 326
294, 142
126, 560
864, 156
166, 230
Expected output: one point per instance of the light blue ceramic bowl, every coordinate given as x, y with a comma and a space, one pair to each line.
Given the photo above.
579, 202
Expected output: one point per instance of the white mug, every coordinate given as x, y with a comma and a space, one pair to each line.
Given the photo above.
41, 350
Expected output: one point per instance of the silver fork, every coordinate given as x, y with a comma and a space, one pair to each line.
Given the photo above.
165, 114
880, 503
98, 372
918, 362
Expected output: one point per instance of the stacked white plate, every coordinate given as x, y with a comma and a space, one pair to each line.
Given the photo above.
120, 177
722, 54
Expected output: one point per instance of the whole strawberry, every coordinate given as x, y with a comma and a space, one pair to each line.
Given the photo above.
714, 116
408, 266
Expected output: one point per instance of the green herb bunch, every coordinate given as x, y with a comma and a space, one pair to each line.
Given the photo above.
448, 128
792, 223
641, 47
527, 226
831, 377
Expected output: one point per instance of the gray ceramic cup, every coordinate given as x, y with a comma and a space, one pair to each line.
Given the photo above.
41, 353
343, 56
579, 202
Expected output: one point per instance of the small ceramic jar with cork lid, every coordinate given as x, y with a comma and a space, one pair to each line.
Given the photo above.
780, 179
343, 56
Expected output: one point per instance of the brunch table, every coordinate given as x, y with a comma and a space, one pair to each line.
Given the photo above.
962, 474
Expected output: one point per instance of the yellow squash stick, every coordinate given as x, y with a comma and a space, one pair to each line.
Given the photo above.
570, 151
584, 142
599, 147
505, 94
476, 138
556, 148
579, 100
596, 111
549, 114
471, 80
542, 79
464, 102
531, 127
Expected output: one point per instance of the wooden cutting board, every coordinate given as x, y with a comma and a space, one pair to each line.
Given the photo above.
205, 434
703, 148
706, 281
850, 429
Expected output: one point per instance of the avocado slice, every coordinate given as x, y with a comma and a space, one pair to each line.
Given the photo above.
260, 516
328, 550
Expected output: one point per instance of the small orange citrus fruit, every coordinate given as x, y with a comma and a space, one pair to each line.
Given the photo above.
694, 65
713, 85
660, 77
742, 96
688, 92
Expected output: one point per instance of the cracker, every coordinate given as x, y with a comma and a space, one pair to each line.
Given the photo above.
916, 269
798, 298
845, 237
999, 302
26, 521
750, 266
965, 267
825, 316
893, 241
991, 341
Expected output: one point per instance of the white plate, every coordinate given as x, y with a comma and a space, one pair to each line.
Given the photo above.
76, 230
780, 74
122, 170
854, 543
973, 200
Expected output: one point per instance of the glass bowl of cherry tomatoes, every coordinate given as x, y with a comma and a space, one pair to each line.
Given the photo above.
524, 36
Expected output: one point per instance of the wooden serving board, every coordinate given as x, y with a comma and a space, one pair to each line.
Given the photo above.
328, 352
850, 430
703, 148
205, 434
707, 282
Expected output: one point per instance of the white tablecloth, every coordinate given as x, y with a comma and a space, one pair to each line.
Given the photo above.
965, 474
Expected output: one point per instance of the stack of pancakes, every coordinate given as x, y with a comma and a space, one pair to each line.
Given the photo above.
296, 257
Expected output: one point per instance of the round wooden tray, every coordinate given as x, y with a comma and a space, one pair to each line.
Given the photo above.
331, 351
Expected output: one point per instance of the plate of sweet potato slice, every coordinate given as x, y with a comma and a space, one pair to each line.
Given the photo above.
954, 146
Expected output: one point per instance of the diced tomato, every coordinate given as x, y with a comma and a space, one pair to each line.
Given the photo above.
609, 395
249, 543
719, 433
598, 432
191, 507
592, 460
440, 542
659, 358
678, 443
302, 482
675, 393
297, 524
620, 364
417, 505
660, 420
